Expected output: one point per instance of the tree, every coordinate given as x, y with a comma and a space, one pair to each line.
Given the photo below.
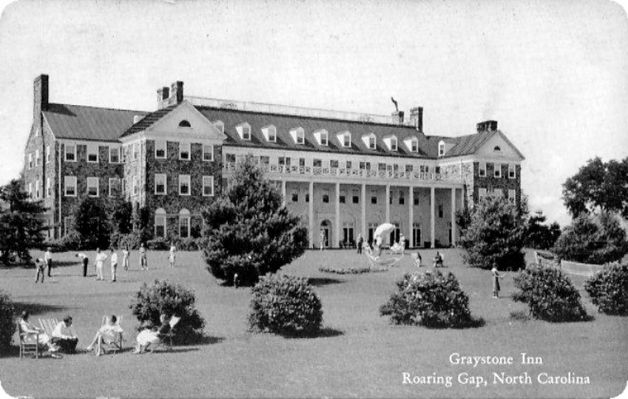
121, 216
598, 185
21, 222
495, 235
539, 235
92, 223
247, 229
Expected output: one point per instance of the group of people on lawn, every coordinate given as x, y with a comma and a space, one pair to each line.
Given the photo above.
99, 261
64, 338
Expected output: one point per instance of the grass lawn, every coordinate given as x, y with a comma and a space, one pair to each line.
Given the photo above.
360, 354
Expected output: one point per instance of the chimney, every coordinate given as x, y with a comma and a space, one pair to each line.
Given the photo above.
397, 117
162, 97
40, 97
487, 126
176, 93
416, 118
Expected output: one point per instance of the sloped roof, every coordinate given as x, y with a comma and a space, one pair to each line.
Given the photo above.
80, 122
285, 123
148, 120
469, 144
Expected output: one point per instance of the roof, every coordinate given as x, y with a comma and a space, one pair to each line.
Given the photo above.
148, 120
285, 123
80, 122
469, 144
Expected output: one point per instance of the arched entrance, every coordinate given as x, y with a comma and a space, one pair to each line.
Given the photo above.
324, 234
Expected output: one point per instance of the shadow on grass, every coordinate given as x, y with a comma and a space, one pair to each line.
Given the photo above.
36, 308
207, 340
526, 316
320, 281
14, 351
322, 333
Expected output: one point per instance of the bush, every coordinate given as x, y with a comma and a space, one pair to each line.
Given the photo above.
592, 240
431, 300
162, 297
91, 222
158, 244
7, 324
549, 295
132, 240
70, 242
608, 289
285, 305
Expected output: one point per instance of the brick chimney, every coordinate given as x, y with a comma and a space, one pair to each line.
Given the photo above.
162, 97
40, 97
176, 92
487, 126
397, 117
416, 118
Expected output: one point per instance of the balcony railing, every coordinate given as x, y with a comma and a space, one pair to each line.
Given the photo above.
348, 173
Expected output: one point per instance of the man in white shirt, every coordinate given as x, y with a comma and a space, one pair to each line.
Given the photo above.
100, 260
65, 336
114, 265
48, 259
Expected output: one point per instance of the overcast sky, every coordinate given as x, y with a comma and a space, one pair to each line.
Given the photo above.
553, 73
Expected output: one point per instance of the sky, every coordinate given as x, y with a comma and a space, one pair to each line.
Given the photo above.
554, 74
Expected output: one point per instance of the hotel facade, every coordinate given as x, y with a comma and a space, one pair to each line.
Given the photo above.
343, 173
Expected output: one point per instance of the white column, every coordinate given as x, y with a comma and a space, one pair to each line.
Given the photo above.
337, 229
310, 212
363, 202
387, 200
283, 192
433, 215
410, 214
453, 216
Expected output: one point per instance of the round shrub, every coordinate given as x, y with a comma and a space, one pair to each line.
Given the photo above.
549, 295
285, 305
608, 289
162, 297
158, 244
431, 300
7, 324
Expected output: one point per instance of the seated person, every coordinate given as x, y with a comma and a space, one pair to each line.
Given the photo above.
438, 260
152, 336
65, 336
30, 335
109, 333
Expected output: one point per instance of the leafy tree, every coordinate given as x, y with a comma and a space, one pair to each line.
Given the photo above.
592, 240
598, 184
21, 222
495, 235
92, 223
463, 219
248, 231
121, 212
139, 221
539, 235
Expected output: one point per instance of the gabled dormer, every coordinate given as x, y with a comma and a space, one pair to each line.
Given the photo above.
344, 138
244, 131
370, 141
270, 133
391, 143
298, 135
322, 137
412, 144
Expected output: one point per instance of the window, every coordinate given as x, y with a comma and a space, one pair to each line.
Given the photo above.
48, 187
295, 196
356, 199
346, 139
220, 126
481, 193
263, 160
244, 130
184, 151
92, 153
498, 171
270, 132
437, 170
70, 152
160, 223
414, 145
402, 200
307, 197
511, 171
512, 195
160, 184
70, 186
114, 186
30, 161
482, 169
326, 198
114, 154
341, 198
317, 163
393, 143
372, 142
496, 148
208, 186
441, 148
374, 199
232, 158
333, 163
440, 211
160, 149
348, 165
299, 135
136, 151
416, 199
409, 168
92, 186
37, 186
184, 184
390, 197
184, 123
324, 138
136, 188
47, 154
37, 158
381, 166
184, 223
208, 152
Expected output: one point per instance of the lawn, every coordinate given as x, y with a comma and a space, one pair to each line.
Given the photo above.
359, 353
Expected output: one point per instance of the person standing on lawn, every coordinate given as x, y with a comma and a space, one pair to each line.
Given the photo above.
496, 277
360, 243
114, 264
85, 261
100, 260
143, 260
171, 257
125, 257
40, 266
48, 259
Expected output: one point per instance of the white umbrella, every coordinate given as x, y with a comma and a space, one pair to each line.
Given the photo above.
383, 229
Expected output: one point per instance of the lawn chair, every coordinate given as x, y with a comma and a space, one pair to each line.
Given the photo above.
113, 342
168, 337
48, 325
26, 346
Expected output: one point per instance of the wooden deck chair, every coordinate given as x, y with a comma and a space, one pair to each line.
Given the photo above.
27, 346
115, 343
48, 325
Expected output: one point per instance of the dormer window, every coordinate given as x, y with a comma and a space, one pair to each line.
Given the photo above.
369, 141
441, 148
220, 126
270, 133
244, 130
322, 137
184, 123
298, 135
345, 139
412, 144
391, 142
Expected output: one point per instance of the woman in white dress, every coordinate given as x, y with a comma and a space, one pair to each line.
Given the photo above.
30, 334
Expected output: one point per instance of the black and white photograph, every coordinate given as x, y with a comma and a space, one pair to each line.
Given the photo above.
297, 199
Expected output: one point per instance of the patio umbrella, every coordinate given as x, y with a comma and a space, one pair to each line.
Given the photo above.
383, 228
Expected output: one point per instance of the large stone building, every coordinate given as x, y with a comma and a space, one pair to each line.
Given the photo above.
344, 173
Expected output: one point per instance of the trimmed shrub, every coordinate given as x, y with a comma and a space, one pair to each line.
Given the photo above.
285, 305
162, 297
7, 324
157, 244
608, 289
132, 240
549, 295
431, 300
